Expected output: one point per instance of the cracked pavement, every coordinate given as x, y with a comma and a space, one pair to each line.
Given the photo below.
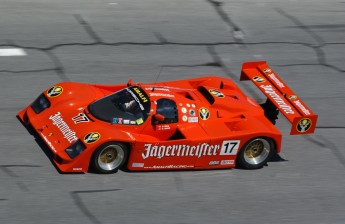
149, 40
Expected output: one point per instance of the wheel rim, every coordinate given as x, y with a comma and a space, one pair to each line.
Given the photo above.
257, 151
111, 157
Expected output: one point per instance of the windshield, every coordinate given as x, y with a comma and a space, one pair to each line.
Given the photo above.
127, 106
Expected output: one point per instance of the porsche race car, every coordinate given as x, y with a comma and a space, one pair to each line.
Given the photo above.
200, 123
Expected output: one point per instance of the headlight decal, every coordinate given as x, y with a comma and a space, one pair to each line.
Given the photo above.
40, 104
75, 149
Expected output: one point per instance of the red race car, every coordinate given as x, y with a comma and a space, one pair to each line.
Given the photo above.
201, 123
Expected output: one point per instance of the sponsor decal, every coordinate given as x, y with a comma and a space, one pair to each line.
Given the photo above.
77, 168
193, 105
92, 137
49, 143
50, 134
188, 105
136, 98
162, 94
192, 112
163, 127
304, 125
213, 163
117, 120
180, 150
227, 162
267, 70
276, 80
157, 88
180, 104
139, 121
137, 164
54, 91
169, 167
292, 97
184, 110
184, 118
271, 92
204, 113
63, 127
259, 79
80, 118
300, 105
216, 93
140, 94
193, 119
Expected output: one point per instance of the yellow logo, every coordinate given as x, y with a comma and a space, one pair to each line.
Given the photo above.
92, 137
267, 70
292, 97
54, 91
140, 94
204, 113
216, 93
304, 125
259, 79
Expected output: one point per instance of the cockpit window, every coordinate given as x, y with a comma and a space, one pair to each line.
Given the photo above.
127, 106
168, 109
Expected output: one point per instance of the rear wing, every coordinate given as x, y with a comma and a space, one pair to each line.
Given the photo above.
303, 120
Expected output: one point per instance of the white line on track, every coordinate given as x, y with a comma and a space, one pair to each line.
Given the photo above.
7, 52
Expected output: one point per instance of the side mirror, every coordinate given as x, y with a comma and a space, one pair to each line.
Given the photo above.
129, 83
159, 117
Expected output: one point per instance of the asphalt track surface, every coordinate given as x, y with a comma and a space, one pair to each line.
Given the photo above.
150, 40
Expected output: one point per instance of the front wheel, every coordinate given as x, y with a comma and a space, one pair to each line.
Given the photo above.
255, 153
109, 157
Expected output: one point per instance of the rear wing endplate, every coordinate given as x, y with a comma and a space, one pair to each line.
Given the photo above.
303, 120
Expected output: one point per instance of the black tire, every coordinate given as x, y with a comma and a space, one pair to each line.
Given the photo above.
109, 157
255, 153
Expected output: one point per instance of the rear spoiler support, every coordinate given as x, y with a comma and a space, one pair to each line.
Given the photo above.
302, 118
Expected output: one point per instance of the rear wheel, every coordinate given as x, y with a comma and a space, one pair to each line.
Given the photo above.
109, 157
255, 153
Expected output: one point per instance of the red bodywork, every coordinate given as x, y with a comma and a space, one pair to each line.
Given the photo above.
215, 119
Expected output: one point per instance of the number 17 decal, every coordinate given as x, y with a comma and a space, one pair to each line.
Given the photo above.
230, 147
80, 118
